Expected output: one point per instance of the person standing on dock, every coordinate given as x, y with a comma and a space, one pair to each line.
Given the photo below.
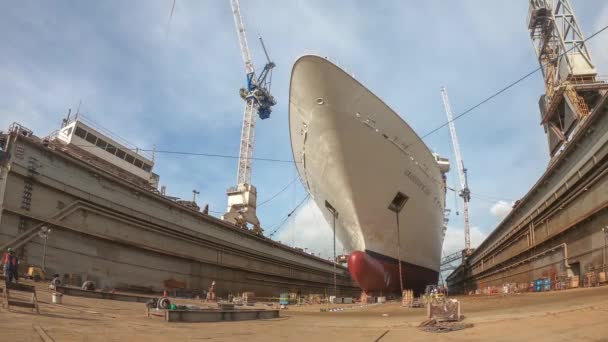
11, 264
211, 292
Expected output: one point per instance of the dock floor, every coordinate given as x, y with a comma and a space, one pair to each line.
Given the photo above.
578, 314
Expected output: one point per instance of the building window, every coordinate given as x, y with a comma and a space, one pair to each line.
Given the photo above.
91, 138
81, 132
111, 149
147, 167
129, 158
120, 153
101, 143
139, 163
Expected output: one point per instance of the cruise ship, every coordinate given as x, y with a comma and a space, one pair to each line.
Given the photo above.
371, 175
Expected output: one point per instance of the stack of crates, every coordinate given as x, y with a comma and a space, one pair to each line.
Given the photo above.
284, 299
547, 284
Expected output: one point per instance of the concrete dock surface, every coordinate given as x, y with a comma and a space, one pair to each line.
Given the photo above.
572, 315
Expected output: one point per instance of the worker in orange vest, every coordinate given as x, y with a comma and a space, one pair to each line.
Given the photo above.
11, 265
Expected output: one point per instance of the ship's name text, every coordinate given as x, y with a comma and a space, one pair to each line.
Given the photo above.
417, 182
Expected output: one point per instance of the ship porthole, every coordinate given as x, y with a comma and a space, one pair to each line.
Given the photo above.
320, 101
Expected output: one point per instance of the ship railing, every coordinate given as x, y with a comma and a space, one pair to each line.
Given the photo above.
54, 134
18, 128
588, 80
101, 129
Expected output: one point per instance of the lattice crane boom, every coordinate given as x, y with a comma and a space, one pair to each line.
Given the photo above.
258, 100
462, 171
571, 87
455, 144
256, 95
248, 129
242, 35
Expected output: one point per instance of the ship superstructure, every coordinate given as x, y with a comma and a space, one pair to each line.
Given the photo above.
81, 134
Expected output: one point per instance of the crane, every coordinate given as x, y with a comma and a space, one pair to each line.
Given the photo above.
465, 193
258, 100
572, 89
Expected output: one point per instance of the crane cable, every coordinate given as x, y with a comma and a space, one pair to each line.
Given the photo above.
487, 99
170, 17
278, 193
280, 225
200, 154
509, 86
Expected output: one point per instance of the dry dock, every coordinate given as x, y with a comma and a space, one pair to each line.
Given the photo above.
556, 231
575, 315
109, 228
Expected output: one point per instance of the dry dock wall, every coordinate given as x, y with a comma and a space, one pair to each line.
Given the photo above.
119, 235
556, 229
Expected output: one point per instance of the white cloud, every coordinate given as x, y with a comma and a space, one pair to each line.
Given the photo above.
501, 209
454, 239
309, 229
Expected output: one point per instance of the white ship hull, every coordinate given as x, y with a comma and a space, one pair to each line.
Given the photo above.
354, 152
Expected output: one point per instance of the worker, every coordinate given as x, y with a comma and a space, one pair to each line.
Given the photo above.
11, 266
55, 282
211, 292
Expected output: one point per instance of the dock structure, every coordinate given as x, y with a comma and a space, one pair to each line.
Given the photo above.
557, 233
113, 227
559, 229
218, 315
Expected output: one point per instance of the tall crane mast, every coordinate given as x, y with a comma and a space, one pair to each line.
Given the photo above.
465, 193
258, 100
571, 87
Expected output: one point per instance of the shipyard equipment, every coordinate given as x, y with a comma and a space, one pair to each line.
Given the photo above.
572, 88
465, 193
258, 100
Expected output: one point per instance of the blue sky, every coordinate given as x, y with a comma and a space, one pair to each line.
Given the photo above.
175, 85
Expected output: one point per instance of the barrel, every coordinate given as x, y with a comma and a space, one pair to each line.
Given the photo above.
574, 281
547, 284
538, 285
56, 297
